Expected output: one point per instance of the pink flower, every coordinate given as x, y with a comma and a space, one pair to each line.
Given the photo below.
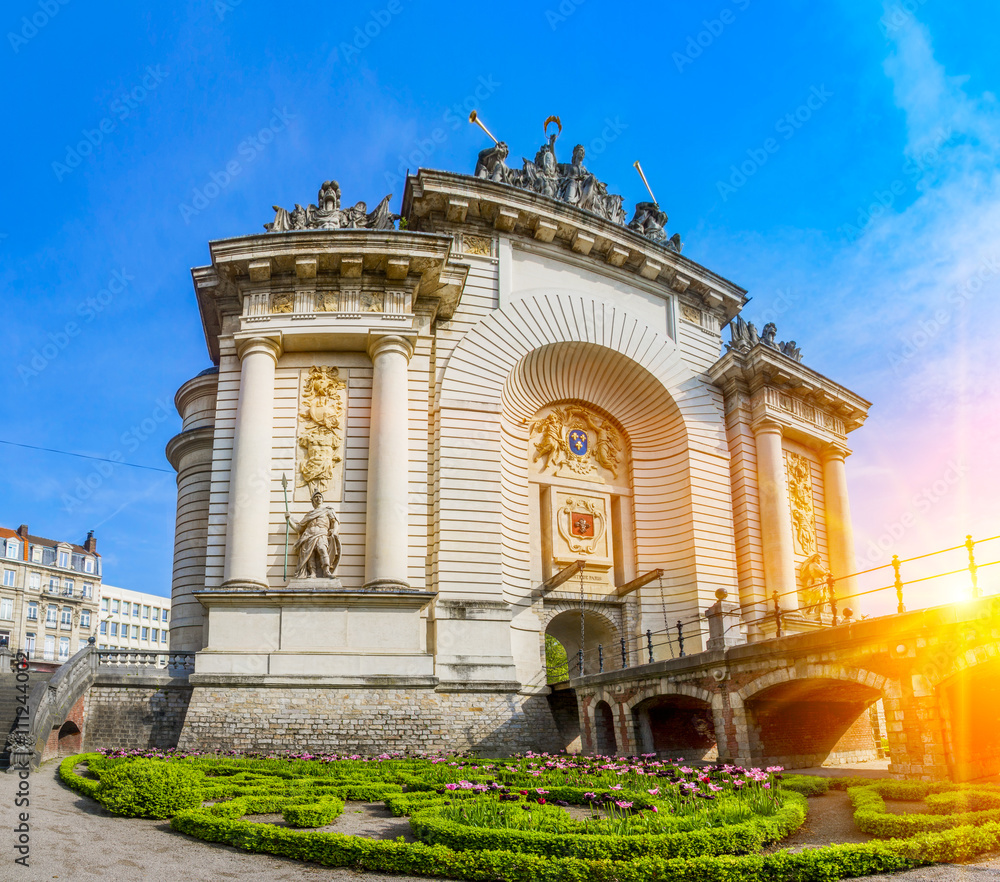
654, 791
653, 808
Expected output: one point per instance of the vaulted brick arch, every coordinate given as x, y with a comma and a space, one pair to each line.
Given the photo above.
816, 672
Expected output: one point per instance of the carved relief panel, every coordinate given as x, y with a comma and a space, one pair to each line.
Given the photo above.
811, 571
319, 439
578, 461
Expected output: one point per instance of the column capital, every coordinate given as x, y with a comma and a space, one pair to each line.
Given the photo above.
379, 344
832, 451
252, 345
767, 427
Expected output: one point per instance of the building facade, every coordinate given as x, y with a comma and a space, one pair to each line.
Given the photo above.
516, 413
133, 620
48, 599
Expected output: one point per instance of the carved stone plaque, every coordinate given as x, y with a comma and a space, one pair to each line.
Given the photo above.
319, 440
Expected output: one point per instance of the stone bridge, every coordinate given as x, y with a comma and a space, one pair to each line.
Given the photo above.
805, 699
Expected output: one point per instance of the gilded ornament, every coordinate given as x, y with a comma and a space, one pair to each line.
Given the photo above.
801, 496
321, 415
572, 436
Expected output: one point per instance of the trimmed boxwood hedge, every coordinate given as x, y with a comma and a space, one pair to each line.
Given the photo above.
309, 792
871, 815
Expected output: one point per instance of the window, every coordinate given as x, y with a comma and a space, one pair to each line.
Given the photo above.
156, 614
85, 618
156, 635
114, 629
126, 608
88, 565
104, 628
33, 610
6, 608
88, 590
82, 644
51, 614
114, 606
68, 588
145, 612
36, 554
104, 604
64, 558
66, 619
63, 648
135, 610
145, 633
35, 581
50, 648
135, 632
8, 578
53, 585
29, 644
12, 549
166, 612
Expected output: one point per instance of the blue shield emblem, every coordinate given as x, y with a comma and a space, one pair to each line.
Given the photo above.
578, 442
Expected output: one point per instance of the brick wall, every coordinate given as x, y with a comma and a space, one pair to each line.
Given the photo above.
798, 734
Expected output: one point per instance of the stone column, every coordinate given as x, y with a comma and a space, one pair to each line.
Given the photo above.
387, 533
775, 516
839, 529
250, 473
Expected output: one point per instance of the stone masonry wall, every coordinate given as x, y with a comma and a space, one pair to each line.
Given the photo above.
366, 720
135, 716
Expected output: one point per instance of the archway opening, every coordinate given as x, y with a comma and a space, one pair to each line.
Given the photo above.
601, 642
604, 730
970, 705
69, 739
804, 723
676, 726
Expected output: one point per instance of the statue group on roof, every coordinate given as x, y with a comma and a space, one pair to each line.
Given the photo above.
328, 215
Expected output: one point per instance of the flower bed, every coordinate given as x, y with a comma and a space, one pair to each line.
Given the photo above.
544, 817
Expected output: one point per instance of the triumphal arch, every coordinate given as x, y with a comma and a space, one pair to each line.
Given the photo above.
426, 441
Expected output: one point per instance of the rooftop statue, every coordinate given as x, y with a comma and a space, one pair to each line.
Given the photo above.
571, 183
328, 215
743, 336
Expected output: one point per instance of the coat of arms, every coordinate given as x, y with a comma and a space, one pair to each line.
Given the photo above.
572, 436
582, 524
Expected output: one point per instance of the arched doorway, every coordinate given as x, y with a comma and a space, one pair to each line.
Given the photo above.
600, 637
604, 730
70, 739
676, 726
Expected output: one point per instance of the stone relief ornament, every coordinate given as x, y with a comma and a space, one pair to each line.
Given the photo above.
800, 494
581, 524
320, 436
573, 184
743, 336
573, 437
328, 215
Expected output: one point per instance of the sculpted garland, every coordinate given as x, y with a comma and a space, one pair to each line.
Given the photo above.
573, 437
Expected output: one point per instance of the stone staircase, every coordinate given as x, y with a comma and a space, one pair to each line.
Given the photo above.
9, 704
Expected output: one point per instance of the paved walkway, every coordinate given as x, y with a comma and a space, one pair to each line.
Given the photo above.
76, 840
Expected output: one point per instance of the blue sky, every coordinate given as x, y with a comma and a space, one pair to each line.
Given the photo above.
838, 160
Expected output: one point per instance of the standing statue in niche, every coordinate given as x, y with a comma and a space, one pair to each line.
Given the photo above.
318, 545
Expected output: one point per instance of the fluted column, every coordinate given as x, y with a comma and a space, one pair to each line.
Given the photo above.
839, 529
250, 475
775, 515
387, 525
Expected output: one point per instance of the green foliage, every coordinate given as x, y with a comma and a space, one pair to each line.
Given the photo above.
556, 662
316, 814
86, 786
149, 789
969, 807
807, 785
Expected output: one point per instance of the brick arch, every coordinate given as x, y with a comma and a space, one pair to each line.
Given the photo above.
675, 689
965, 661
858, 676
613, 614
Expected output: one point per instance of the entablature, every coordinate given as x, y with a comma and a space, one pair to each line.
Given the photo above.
321, 285
768, 385
443, 201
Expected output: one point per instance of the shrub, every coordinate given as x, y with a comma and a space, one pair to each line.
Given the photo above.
149, 789
315, 814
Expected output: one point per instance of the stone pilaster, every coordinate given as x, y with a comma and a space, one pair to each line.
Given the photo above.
775, 515
250, 478
840, 532
387, 534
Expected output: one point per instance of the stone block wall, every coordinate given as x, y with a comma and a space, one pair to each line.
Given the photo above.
366, 720
130, 716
